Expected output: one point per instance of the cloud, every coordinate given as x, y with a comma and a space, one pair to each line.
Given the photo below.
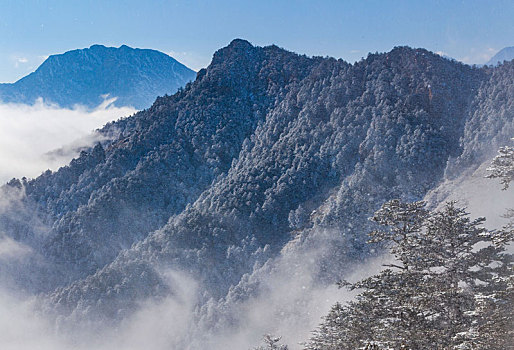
22, 328
481, 196
158, 325
42, 136
285, 297
19, 61
478, 56
289, 302
12, 250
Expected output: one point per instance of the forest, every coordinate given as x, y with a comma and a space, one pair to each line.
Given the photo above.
264, 183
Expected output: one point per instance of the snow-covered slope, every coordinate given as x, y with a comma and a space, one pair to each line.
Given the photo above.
270, 163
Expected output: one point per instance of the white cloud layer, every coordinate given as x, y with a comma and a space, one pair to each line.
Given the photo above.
30, 135
290, 304
478, 56
11, 250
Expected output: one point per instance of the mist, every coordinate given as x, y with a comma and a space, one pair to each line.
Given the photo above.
481, 196
34, 138
283, 297
291, 299
289, 302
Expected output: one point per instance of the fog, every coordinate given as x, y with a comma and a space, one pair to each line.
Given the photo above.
481, 196
289, 302
283, 297
34, 138
292, 300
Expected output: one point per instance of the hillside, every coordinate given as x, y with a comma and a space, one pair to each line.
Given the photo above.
266, 156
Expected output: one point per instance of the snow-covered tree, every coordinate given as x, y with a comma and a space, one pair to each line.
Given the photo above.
502, 166
427, 298
495, 330
271, 343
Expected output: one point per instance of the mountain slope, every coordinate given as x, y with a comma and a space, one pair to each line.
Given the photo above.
163, 158
135, 76
505, 54
265, 151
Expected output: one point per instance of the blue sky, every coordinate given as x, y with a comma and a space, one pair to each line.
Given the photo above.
471, 31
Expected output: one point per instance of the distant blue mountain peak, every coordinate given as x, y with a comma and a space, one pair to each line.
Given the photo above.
135, 76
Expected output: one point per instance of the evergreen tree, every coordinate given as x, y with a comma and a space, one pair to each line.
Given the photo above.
496, 301
271, 343
450, 276
502, 166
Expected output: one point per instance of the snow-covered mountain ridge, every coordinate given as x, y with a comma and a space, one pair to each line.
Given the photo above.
267, 155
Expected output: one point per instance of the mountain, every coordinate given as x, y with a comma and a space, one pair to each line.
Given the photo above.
87, 76
505, 54
269, 164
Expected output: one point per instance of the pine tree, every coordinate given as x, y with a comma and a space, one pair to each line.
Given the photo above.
271, 343
495, 302
502, 166
427, 298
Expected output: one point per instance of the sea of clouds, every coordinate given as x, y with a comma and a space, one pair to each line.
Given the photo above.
290, 304
34, 138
